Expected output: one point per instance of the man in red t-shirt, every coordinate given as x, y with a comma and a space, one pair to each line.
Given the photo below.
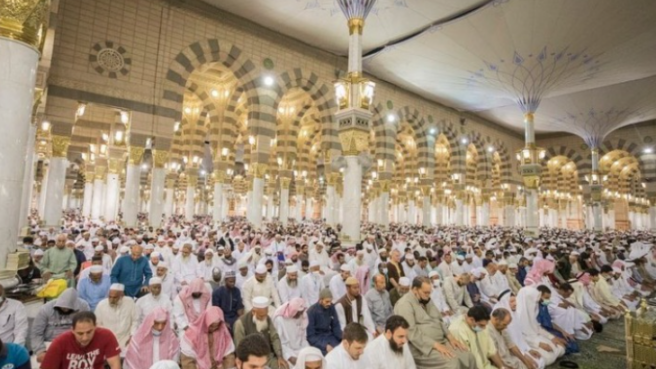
84, 346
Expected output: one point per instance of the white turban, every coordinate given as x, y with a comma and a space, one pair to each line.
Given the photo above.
117, 287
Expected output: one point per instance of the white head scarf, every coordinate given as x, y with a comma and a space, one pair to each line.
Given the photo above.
165, 364
514, 329
309, 354
527, 311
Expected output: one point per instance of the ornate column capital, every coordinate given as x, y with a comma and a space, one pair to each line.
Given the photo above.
115, 165
170, 182
25, 21
285, 182
100, 172
160, 157
259, 170
219, 176
134, 154
60, 145
385, 185
192, 180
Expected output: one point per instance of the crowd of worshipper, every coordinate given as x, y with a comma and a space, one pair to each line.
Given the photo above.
194, 294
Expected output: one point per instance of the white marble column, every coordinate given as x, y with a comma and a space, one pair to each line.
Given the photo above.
132, 181
426, 208
111, 196
309, 207
532, 218
384, 209
299, 208
170, 194
28, 179
225, 205
412, 212
284, 202
460, 212
190, 204
439, 214
255, 203
485, 214
597, 217
88, 195
269, 207
217, 208
43, 194
330, 204
352, 198
96, 205
157, 199
55, 191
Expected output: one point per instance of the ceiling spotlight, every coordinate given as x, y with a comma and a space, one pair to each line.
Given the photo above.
391, 118
464, 140
490, 149
432, 131
268, 81
648, 150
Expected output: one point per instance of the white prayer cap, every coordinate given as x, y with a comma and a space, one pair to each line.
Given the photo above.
150, 247
469, 256
221, 248
460, 257
575, 253
124, 250
165, 364
95, 239
155, 280
260, 302
530, 257
95, 269
292, 269
617, 270
370, 247
404, 281
268, 252
410, 257
38, 252
502, 262
163, 264
512, 266
155, 254
360, 252
382, 250
314, 263
261, 269
99, 248
209, 251
117, 287
345, 268
433, 274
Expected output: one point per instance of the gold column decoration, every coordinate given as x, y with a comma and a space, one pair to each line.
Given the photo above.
160, 158
300, 189
89, 174
170, 183
354, 141
60, 146
385, 185
25, 21
259, 170
134, 155
100, 172
355, 25
115, 165
285, 182
219, 176
425, 190
192, 180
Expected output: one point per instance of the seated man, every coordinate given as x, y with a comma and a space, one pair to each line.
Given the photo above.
379, 303
350, 353
207, 343
390, 350
13, 320
228, 298
257, 321
508, 352
310, 358
456, 295
154, 341
400, 290
437, 296
323, 330
290, 321
352, 308
118, 314
153, 300
14, 356
94, 288
252, 352
190, 303
53, 319
566, 338
470, 329
431, 344
83, 346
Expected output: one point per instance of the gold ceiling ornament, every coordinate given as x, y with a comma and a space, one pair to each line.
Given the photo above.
60, 146
285, 182
100, 172
356, 25
354, 141
25, 21
160, 157
115, 165
134, 155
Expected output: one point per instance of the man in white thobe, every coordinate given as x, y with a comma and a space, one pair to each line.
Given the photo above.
390, 350
320, 255
438, 299
170, 286
261, 284
312, 284
445, 268
148, 303
291, 325
118, 314
353, 308
185, 265
13, 320
288, 286
337, 283
350, 353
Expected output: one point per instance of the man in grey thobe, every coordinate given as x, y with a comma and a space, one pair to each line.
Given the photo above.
431, 344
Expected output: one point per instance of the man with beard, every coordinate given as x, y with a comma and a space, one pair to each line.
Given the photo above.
215, 281
390, 350
291, 321
455, 293
261, 284
53, 319
227, 262
323, 330
431, 344
59, 262
338, 282
288, 286
95, 287
155, 299
133, 272
353, 308
258, 321
349, 354
191, 302
118, 314
169, 284
437, 296
312, 284
13, 320
378, 301
185, 265
244, 274
228, 298
401, 289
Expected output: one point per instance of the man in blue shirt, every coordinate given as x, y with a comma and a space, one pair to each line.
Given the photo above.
14, 356
323, 330
94, 288
133, 272
228, 298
